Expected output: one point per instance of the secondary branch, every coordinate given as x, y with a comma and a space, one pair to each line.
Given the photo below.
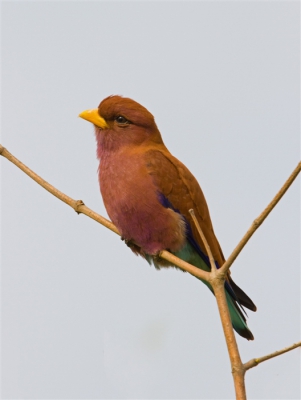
256, 361
259, 220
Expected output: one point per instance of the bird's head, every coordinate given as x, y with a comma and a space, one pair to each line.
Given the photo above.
120, 121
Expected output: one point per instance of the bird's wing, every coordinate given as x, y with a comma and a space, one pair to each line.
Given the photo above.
180, 188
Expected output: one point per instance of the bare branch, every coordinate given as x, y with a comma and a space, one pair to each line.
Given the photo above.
77, 205
217, 281
238, 371
259, 220
80, 207
185, 266
204, 240
256, 361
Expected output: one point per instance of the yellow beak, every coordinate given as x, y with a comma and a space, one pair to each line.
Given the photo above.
94, 117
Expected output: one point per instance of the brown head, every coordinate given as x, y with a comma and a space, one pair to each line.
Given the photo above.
120, 121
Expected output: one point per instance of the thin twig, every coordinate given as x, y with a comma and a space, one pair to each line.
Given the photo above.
259, 220
185, 266
204, 240
256, 361
77, 205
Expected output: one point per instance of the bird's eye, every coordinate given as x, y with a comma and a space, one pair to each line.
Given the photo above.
121, 120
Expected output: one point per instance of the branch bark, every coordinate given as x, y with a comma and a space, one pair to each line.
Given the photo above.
77, 205
256, 361
217, 281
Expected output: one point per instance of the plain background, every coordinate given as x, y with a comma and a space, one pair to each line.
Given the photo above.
81, 316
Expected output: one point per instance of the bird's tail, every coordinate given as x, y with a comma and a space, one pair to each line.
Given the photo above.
236, 297
238, 319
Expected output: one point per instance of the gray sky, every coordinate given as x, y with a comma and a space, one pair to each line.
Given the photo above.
82, 317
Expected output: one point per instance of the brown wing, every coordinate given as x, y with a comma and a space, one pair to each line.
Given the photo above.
181, 188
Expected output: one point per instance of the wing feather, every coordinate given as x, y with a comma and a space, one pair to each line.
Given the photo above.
180, 187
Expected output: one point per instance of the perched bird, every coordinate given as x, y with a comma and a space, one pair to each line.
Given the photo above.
148, 193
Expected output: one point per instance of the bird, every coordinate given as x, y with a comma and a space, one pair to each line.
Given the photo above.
148, 193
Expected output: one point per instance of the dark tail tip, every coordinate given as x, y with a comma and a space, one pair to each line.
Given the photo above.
245, 333
242, 297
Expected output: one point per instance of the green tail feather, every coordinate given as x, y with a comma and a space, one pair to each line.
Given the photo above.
238, 320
